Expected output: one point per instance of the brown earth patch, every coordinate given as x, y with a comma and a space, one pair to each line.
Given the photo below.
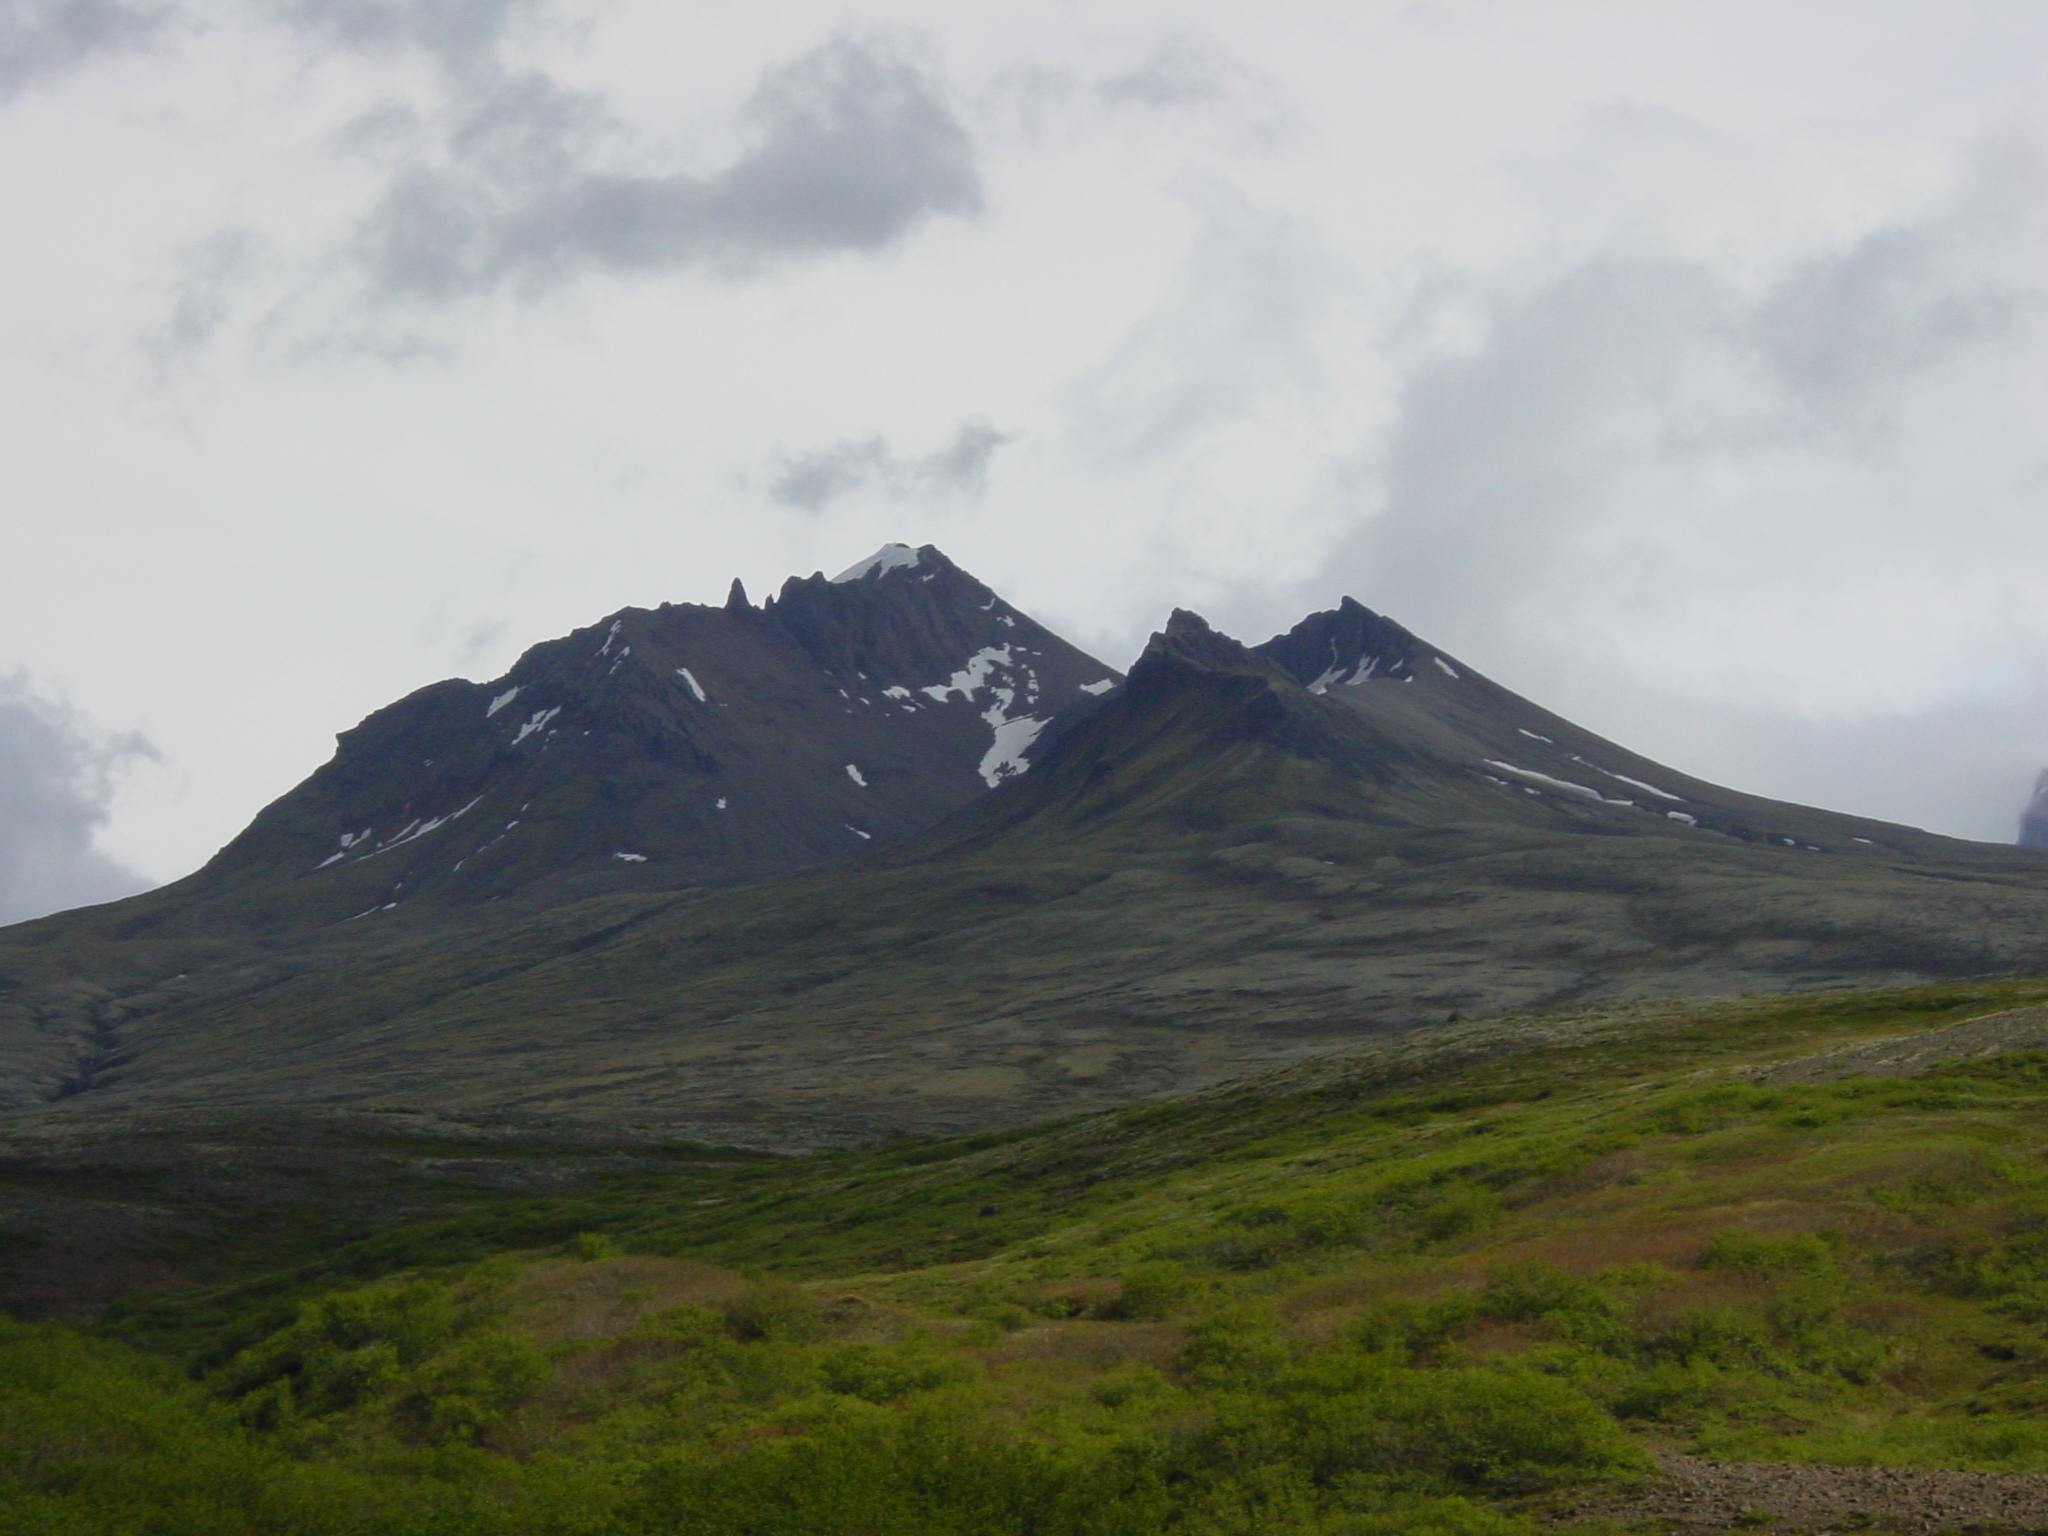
1696, 1494
2017, 1029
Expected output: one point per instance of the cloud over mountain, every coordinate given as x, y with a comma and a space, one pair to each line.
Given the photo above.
57, 777
814, 479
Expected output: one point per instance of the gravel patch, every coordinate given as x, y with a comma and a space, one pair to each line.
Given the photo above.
1693, 1493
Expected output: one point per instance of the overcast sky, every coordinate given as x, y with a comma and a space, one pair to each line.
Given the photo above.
1682, 366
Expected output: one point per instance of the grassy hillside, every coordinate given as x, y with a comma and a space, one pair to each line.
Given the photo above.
1432, 1288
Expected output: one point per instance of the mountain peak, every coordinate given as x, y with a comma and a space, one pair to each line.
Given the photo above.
1189, 639
892, 557
1347, 644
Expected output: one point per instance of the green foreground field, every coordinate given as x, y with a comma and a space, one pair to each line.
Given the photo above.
1386, 1294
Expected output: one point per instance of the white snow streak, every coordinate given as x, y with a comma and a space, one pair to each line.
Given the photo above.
695, 687
888, 558
1335, 678
1548, 782
501, 701
853, 773
1103, 686
1651, 789
540, 718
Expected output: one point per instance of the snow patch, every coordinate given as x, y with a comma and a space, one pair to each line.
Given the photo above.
853, 773
501, 701
1550, 783
332, 858
1012, 729
973, 676
420, 829
721, 802
889, 557
1534, 737
631, 858
1690, 821
695, 687
856, 831
1648, 789
609, 636
1103, 686
538, 721
1005, 756
1448, 670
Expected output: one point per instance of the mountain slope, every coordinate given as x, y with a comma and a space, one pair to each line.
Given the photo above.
1218, 868
686, 745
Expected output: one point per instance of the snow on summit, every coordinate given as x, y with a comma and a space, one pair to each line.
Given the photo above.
888, 558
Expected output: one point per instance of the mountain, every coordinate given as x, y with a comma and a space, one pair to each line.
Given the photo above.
687, 745
1240, 857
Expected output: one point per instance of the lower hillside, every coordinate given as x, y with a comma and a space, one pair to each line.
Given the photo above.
1482, 1284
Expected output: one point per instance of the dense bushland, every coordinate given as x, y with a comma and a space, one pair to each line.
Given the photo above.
1351, 1306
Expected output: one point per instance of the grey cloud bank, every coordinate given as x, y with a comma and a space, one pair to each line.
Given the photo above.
57, 778
42, 39
848, 148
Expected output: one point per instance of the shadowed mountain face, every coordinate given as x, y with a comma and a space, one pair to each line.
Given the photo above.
688, 745
1240, 857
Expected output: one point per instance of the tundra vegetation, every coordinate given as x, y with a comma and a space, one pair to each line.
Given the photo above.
1353, 1298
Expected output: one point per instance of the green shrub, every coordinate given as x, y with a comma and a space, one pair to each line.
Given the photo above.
775, 1310
1410, 1329
591, 1246
1762, 1253
1474, 1430
880, 1373
916, 1476
1519, 1293
1151, 1291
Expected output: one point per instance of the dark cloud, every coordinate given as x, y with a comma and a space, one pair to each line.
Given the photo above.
1839, 327
463, 34
959, 468
57, 777
848, 149
43, 38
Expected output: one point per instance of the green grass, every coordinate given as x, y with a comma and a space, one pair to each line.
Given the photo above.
1370, 1297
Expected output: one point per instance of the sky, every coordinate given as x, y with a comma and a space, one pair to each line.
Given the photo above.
1683, 367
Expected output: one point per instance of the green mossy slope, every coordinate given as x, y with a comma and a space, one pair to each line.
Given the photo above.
1422, 1294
